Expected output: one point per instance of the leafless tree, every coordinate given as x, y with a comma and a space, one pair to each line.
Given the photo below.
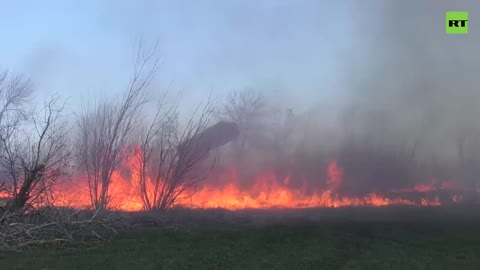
14, 94
35, 154
249, 110
169, 157
266, 133
106, 130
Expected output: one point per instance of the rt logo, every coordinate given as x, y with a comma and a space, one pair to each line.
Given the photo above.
456, 22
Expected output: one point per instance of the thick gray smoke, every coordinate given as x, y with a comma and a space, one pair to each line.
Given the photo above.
415, 92
413, 79
410, 114
405, 111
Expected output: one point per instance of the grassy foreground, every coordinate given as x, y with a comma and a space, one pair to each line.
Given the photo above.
308, 246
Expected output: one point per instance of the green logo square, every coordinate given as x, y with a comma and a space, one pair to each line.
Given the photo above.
456, 22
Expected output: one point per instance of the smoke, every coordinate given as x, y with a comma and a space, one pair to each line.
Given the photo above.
401, 107
409, 112
414, 80
415, 94
417, 89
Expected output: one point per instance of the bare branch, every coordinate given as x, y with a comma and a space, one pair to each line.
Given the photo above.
170, 158
105, 131
34, 160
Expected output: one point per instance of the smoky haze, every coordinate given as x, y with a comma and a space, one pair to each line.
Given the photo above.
408, 113
415, 79
416, 90
377, 87
419, 90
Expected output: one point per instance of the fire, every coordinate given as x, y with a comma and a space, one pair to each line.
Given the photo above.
432, 185
274, 196
265, 192
335, 174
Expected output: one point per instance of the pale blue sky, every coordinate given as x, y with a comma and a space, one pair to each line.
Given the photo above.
84, 48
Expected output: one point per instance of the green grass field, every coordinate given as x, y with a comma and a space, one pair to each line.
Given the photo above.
307, 246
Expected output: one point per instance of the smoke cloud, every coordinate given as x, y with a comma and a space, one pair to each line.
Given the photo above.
414, 80
379, 88
408, 111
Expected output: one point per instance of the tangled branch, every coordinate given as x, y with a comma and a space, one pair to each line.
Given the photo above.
55, 227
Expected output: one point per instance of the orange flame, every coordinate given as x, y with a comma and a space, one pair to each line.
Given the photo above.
265, 192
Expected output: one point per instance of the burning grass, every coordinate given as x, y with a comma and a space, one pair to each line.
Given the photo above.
265, 191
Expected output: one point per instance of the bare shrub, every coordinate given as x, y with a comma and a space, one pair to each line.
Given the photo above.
169, 156
14, 94
33, 144
105, 131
